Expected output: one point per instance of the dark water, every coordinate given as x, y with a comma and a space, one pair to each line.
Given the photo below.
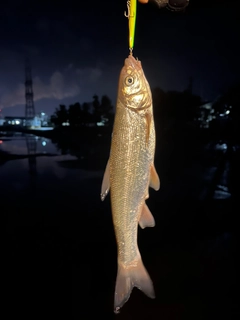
59, 252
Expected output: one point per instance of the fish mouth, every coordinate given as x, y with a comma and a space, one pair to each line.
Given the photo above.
133, 63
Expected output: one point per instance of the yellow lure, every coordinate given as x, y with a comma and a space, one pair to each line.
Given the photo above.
131, 15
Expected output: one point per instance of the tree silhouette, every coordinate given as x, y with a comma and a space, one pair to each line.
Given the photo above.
60, 116
174, 108
171, 109
106, 105
106, 109
102, 111
75, 114
86, 116
96, 109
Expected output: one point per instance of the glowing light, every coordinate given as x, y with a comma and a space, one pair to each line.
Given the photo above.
227, 111
221, 146
17, 122
44, 143
1, 141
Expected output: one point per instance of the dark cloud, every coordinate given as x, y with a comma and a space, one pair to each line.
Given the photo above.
70, 82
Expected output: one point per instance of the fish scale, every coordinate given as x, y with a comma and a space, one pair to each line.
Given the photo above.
128, 189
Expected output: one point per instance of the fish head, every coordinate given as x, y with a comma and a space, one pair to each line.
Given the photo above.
134, 90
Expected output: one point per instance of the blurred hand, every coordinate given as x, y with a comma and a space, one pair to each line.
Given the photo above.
160, 3
176, 5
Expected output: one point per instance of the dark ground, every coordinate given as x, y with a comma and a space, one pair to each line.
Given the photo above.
68, 267
60, 260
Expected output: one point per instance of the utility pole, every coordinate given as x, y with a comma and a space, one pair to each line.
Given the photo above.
29, 109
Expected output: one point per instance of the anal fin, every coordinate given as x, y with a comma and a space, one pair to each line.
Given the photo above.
146, 218
154, 178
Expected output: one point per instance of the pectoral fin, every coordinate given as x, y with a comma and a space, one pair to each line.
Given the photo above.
106, 182
154, 178
146, 218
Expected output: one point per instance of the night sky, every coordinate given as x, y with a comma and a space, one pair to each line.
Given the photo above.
77, 49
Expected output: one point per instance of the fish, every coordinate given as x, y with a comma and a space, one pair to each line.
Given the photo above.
129, 173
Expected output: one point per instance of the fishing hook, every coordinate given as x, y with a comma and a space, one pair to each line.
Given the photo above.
127, 14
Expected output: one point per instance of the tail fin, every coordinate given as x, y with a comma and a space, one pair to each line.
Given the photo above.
128, 277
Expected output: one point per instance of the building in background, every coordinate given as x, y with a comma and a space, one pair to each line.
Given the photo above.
2, 120
40, 121
21, 122
44, 119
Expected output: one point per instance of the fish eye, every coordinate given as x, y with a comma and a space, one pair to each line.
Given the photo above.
129, 80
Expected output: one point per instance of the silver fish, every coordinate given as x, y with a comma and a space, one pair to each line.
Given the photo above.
129, 173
